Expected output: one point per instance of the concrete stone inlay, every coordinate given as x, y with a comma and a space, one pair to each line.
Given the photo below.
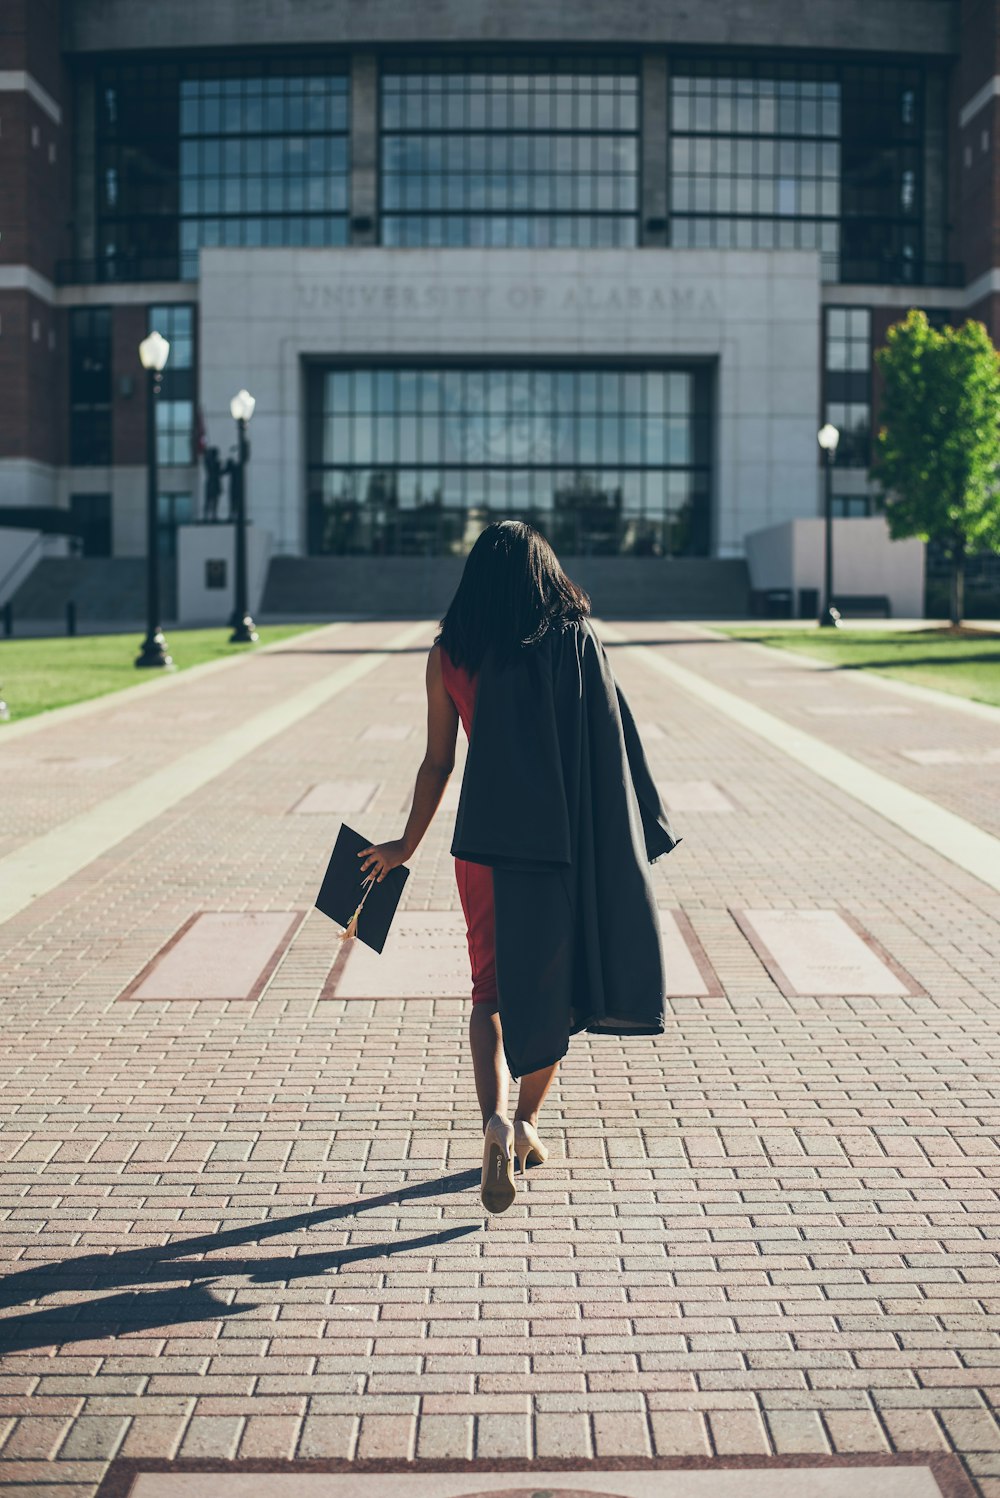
448, 802
65, 764
218, 955
821, 952
952, 756
688, 970
859, 1480
83, 762
332, 796
390, 732
791, 676
881, 711
427, 957
693, 795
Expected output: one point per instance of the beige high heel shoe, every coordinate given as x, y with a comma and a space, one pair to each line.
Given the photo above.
527, 1146
497, 1188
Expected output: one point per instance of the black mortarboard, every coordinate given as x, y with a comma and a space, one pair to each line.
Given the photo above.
346, 887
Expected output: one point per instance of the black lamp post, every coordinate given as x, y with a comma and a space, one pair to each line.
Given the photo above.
153, 352
244, 631
828, 437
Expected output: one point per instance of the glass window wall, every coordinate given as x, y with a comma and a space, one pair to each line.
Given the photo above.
847, 382
90, 386
416, 460
175, 408
240, 152
805, 155
509, 151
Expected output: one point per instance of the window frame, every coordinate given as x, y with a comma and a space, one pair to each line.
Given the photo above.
487, 458
524, 134
90, 401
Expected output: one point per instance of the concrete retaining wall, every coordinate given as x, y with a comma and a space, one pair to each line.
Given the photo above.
866, 561
422, 587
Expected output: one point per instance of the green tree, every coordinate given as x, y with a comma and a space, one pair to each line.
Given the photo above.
938, 447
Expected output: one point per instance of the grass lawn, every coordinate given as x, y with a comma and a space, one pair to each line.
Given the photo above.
36, 675
966, 663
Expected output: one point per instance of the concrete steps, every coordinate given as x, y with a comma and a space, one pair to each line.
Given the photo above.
104, 589
622, 587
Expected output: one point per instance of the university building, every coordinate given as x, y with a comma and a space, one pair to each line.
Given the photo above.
603, 266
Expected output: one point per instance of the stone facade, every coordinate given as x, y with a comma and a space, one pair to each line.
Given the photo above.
754, 315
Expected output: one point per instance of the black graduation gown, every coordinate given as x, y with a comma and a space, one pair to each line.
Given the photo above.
558, 799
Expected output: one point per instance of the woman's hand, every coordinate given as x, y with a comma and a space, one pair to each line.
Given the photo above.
381, 857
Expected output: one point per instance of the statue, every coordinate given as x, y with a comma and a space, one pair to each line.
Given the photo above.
213, 483
231, 471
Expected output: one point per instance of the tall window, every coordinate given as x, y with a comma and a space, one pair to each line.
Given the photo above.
847, 382
755, 158
509, 151
264, 158
175, 407
238, 152
90, 386
603, 460
136, 176
91, 514
851, 506
806, 155
885, 165
172, 510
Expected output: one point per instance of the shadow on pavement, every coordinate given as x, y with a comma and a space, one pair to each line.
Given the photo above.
989, 658
141, 1310
357, 650
667, 642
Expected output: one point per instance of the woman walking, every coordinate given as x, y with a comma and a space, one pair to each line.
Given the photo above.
558, 820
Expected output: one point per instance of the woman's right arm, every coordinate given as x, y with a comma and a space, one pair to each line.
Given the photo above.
432, 776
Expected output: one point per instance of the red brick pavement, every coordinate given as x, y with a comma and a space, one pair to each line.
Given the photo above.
253, 1230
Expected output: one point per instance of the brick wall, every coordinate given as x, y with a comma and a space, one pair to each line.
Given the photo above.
35, 221
34, 148
33, 378
34, 184
30, 32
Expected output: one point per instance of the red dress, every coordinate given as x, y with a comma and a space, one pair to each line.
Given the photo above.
475, 880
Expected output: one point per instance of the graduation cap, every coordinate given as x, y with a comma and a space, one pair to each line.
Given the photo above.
355, 899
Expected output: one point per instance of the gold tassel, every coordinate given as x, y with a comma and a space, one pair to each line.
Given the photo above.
350, 931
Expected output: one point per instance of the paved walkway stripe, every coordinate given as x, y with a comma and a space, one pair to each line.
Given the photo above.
963, 844
158, 683
41, 865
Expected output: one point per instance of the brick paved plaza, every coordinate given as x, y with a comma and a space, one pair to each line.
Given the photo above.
248, 1229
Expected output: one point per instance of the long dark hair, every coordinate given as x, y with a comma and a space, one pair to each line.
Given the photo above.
512, 590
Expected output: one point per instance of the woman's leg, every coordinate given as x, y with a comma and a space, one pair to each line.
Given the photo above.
492, 1076
475, 888
532, 1093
